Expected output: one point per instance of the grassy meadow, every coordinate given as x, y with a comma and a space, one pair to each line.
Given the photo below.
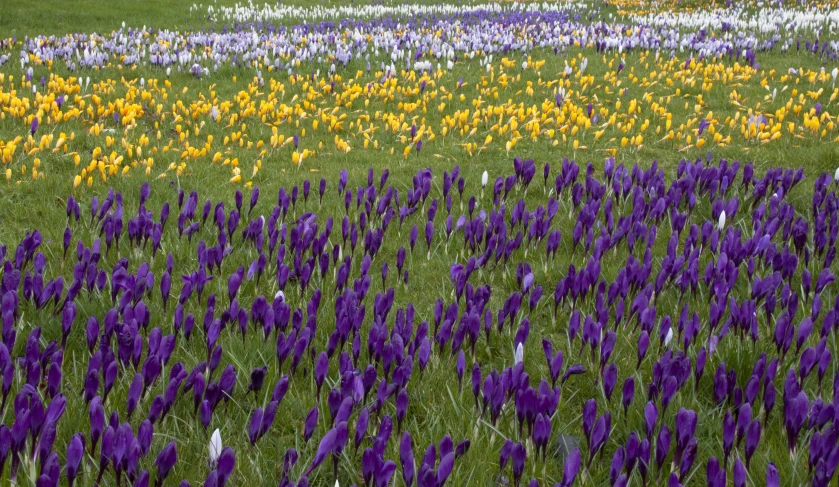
252, 125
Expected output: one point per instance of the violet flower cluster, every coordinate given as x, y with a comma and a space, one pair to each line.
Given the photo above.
635, 299
420, 37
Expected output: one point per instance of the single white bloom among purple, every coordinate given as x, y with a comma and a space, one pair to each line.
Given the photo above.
215, 447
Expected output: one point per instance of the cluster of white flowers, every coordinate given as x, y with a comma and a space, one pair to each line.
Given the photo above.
264, 12
740, 18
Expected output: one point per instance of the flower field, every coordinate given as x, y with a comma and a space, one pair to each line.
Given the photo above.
387, 244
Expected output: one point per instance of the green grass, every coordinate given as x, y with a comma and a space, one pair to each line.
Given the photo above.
58, 18
436, 407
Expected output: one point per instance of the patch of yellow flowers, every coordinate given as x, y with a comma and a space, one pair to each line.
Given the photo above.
117, 128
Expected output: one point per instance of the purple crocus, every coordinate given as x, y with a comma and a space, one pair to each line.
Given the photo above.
406, 457
773, 479
166, 459
75, 452
572, 466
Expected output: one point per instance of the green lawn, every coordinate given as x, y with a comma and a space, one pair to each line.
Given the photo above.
436, 407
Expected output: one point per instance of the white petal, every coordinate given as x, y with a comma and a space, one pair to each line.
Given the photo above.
215, 447
519, 355
668, 337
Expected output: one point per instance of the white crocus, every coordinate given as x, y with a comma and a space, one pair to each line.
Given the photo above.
836, 175
721, 221
519, 355
485, 179
668, 337
215, 447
